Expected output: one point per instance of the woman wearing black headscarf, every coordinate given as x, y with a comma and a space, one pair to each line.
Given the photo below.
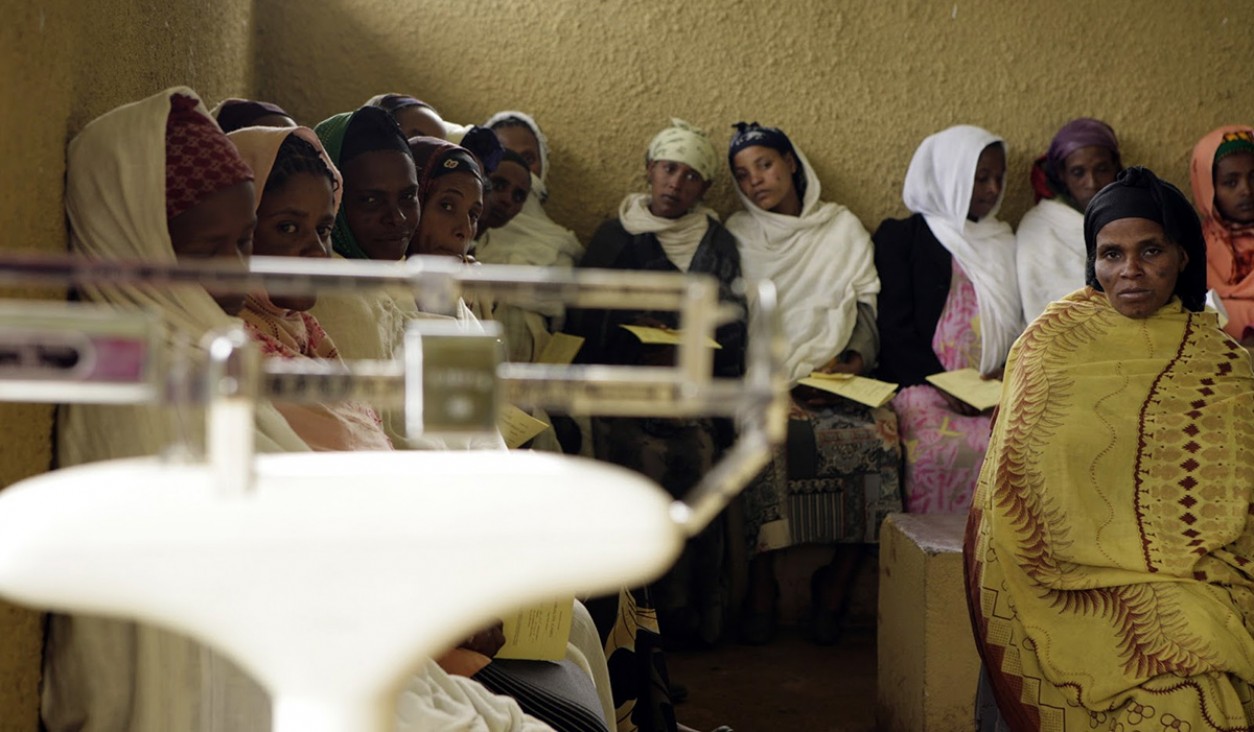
1109, 549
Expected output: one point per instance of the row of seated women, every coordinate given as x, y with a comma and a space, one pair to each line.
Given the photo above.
934, 292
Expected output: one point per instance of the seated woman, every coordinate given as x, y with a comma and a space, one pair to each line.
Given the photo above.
234, 114
450, 198
667, 230
949, 300
1082, 159
134, 191
415, 117
1223, 192
531, 237
295, 215
845, 475
526, 330
1109, 545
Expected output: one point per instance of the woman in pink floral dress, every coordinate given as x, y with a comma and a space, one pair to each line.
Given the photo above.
949, 300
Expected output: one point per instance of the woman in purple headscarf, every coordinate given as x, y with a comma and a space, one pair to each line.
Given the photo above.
1082, 159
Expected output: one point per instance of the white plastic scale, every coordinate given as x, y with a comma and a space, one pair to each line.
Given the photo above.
309, 570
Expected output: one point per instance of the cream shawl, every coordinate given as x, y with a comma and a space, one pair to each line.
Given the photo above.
680, 238
939, 184
822, 264
1049, 254
531, 238
113, 674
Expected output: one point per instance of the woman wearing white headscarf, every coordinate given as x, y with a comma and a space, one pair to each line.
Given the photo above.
949, 300
844, 473
148, 181
531, 238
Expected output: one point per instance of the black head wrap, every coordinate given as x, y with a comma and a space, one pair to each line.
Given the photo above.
750, 134
483, 142
371, 129
235, 114
515, 158
1139, 194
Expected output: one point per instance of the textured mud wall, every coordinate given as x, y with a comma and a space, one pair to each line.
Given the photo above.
62, 63
857, 83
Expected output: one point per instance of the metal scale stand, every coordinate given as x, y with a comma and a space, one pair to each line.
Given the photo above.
328, 576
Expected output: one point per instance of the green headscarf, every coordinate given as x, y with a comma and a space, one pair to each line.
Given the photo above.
372, 129
331, 132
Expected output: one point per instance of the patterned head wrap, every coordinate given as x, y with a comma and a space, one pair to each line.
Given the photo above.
753, 134
436, 158
234, 114
1047, 173
345, 136
199, 159
683, 143
1233, 142
1138, 193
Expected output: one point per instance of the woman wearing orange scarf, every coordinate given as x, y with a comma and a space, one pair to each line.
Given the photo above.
1223, 191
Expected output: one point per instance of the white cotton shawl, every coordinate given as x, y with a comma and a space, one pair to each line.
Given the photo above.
106, 675
939, 185
531, 238
822, 264
1050, 255
117, 675
371, 326
680, 238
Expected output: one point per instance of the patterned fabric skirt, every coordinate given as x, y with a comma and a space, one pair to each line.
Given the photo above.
944, 451
834, 481
637, 665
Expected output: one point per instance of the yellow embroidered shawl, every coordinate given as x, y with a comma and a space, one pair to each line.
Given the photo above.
1110, 544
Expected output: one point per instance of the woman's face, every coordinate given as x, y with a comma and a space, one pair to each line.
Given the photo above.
1234, 187
674, 188
1137, 265
990, 174
450, 216
522, 141
765, 177
219, 227
381, 202
295, 221
416, 121
1088, 170
510, 186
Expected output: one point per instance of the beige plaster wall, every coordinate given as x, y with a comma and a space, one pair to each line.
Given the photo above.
62, 63
857, 83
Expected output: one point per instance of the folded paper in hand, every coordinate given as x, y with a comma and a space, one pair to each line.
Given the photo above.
871, 392
662, 336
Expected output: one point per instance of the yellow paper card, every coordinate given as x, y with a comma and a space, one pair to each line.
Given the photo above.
662, 336
966, 384
517, 426
560, 350
538, 633
871, 392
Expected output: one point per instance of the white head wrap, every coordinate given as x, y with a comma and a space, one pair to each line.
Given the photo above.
939, 185
683, 143
539, 184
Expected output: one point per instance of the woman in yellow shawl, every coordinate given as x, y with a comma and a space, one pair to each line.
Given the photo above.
1110, 544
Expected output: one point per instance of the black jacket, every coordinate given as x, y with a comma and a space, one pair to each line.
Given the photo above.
915, 274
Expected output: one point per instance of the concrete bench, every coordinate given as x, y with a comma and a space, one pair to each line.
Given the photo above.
928, 665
